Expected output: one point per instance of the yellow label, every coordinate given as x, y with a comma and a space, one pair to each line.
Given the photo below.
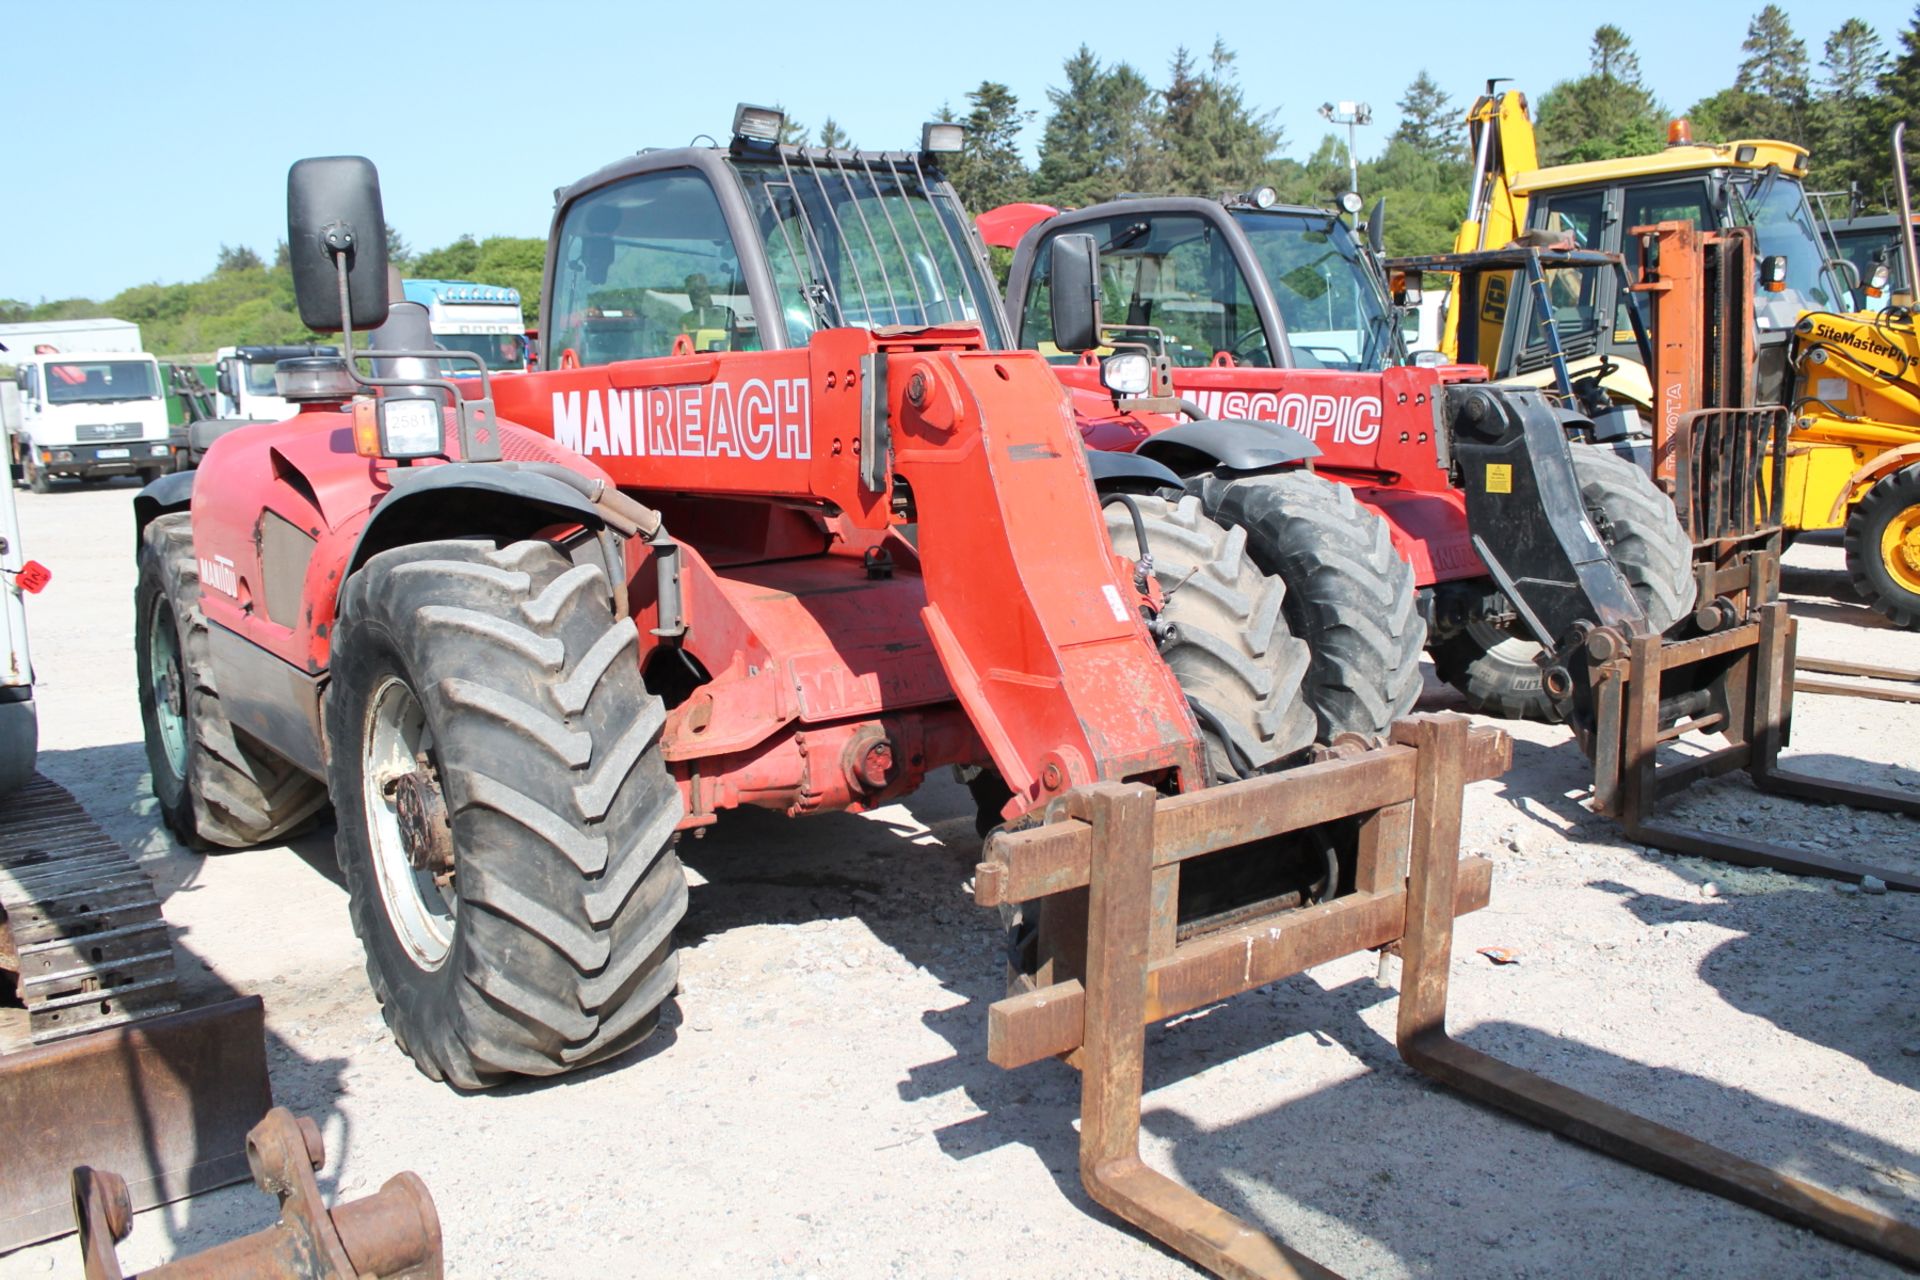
1499, 477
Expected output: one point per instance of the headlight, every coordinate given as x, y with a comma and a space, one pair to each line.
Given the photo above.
1127, 373
398, 427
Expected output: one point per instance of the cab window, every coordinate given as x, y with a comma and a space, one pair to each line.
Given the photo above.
643, 264
1174, 273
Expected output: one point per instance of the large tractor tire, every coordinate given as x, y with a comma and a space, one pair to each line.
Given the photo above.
506, 821
1242, 669
1883, 547
1494, 665
1350, 596
217, 788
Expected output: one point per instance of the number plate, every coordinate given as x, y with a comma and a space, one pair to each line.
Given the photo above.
105, 454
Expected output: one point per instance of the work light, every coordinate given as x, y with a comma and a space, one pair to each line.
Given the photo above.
1126, 373
939, 138
758, 124
398, 427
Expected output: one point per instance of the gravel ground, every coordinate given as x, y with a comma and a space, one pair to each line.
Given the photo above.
817, 1101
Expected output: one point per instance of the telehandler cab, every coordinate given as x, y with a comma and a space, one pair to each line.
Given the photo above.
782, 523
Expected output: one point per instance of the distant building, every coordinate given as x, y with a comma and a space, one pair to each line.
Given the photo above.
70, 335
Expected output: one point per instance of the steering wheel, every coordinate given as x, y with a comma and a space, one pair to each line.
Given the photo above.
1253, 342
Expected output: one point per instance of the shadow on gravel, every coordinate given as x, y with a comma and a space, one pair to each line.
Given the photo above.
111, 784
1858, 954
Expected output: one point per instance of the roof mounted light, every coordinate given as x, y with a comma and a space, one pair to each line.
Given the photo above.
1258, 198
1680, 133
939, 137
758, 124
1745, 154
1350, 202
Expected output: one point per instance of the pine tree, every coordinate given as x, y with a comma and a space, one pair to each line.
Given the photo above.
1841, 121
989, 171
1899, 100
1774, 73
1611, 56
1214, 141
237, 258
1428, 122
1099, 138
1605, 113
833, 137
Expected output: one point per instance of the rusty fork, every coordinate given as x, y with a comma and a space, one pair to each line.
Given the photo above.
1125, 846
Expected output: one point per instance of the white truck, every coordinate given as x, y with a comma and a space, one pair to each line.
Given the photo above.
88, 413
244, 377
482, 318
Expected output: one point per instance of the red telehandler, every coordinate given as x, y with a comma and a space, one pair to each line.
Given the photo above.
782, 523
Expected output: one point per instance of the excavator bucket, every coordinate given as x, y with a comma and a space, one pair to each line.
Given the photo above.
1127, 848
118, 1075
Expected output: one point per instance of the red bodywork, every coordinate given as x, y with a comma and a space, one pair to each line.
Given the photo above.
1006, 632
1376, 432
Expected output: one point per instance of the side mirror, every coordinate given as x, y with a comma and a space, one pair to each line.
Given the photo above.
333, 214
225, 380
1377, 227
1073, 275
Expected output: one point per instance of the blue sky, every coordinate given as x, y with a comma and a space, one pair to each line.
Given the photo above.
145, 134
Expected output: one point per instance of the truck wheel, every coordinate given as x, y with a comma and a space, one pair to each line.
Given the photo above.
1494, 665
1883, 547
505, 818
37, 480
1349, 594
216, 786
1240, 666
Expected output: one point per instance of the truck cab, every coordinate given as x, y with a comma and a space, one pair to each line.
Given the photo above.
485, 319
246, 385
1754, 183
88, 414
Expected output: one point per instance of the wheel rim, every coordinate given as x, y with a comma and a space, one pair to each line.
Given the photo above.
1502, 644
169, 690
396, 762
1900, 548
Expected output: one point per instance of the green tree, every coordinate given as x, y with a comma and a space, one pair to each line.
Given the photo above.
1099, 138
237, 258
1606, 113
1774, 74
989, 171
1841, 124
397, 251
833, 137
1428, 122
1899, 99
1214, 141
457, 261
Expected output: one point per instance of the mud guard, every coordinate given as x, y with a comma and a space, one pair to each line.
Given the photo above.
171, 492
464, 497
1113, 471
1240, 444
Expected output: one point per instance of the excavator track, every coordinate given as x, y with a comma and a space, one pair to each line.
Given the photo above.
80, 924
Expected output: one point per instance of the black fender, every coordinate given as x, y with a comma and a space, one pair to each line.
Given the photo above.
462, 499
1113, 471
1239, 444
171, 492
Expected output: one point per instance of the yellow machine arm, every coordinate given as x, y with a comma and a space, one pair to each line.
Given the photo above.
1501, 136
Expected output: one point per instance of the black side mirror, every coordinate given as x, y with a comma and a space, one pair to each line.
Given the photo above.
1073, 277
333, 213
1377, 227
225, 380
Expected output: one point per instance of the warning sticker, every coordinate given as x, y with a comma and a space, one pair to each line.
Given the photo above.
1499, 477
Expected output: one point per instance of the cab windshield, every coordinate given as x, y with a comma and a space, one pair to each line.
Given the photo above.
866, 241
500, 351
101, 381
1775, 206
1336, 314
260, 380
